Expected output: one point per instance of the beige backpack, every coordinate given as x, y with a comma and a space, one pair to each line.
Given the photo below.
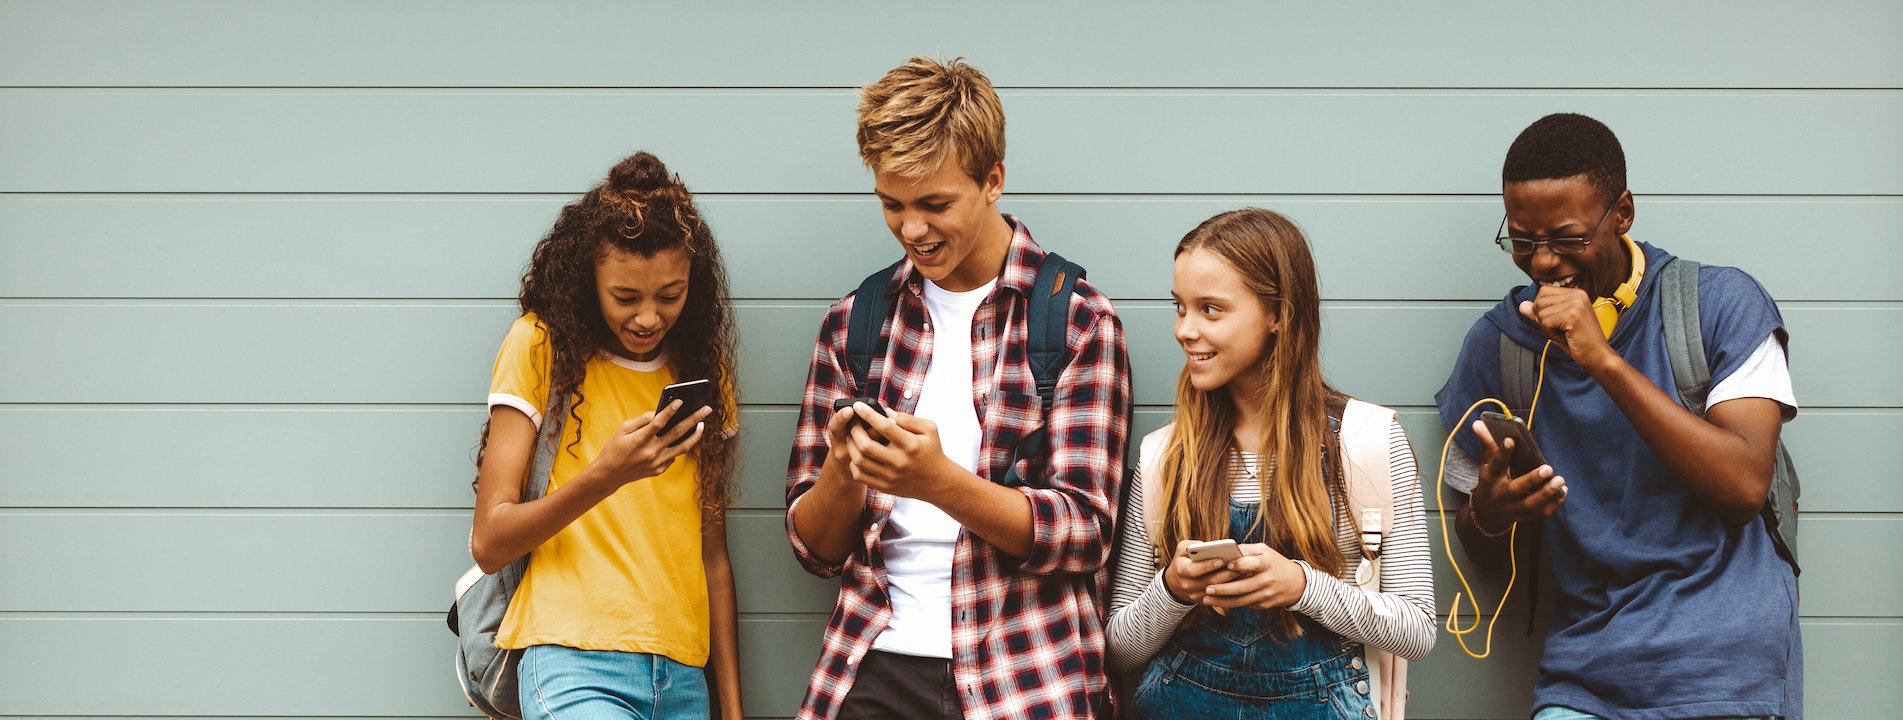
1364, 442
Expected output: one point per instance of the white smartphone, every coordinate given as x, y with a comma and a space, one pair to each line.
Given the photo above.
1224, 549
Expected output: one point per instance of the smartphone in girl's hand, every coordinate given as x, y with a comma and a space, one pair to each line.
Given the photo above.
693, 394
1224, 549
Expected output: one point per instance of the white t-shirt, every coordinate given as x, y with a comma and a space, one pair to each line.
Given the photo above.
919, 538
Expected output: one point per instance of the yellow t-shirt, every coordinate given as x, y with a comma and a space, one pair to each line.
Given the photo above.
627, 574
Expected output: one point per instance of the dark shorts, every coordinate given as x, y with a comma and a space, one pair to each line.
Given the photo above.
890, 686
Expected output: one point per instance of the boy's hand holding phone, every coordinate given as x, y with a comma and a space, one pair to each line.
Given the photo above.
1515, 483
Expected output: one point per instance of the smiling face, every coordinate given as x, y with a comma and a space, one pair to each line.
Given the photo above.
641, 297
948, 223
1572, 206
1224, 328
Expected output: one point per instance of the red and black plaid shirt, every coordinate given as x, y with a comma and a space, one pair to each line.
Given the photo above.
1027, 636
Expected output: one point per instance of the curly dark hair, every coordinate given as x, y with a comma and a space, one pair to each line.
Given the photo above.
1564, 145
641, 209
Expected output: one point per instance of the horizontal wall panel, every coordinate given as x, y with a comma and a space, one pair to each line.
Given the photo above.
205, 667
288, 456
411, 457
1679, 142
400, 667
289, 562
818, 247
293, 562
362, 352
434, 44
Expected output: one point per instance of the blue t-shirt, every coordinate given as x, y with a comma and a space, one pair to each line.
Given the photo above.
1662, 611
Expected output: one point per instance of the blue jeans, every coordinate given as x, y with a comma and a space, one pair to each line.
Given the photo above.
563, 683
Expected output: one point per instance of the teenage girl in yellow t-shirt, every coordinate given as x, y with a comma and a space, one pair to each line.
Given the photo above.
629, 592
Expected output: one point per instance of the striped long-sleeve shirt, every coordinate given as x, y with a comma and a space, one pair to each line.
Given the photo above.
1399, 619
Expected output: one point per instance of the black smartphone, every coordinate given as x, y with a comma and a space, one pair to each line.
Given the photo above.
693, 394
1526, 453
844, 403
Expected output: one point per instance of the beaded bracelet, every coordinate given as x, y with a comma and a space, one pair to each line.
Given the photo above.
1473, 518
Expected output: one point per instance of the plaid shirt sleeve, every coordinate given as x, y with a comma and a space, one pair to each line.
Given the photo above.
1088, 426
825, 382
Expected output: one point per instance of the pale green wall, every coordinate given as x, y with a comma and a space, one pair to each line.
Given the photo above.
255, 259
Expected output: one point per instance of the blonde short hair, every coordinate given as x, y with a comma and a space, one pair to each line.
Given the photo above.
924, 113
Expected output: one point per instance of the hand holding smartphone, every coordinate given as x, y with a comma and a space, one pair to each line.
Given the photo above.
693, 394
1526, 455
844, 403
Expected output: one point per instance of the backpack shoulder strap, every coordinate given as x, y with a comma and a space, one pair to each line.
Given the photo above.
1519, 370
1684, 335
1691, 376
546, 439
865, 327
1364, 446
1149, 476
1046, 326
1048, 321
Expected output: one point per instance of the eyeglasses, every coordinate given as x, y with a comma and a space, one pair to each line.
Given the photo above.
1562, 245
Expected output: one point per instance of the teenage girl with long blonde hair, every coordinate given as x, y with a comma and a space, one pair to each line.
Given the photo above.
1253, 455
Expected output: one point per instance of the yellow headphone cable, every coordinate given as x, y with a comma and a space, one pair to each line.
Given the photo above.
1513, 531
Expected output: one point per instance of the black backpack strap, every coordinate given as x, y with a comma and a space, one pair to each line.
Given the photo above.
1047, 323
865, 328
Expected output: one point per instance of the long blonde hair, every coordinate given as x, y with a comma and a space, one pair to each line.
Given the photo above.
1297, 509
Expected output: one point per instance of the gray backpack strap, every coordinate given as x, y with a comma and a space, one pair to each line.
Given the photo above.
1691, 376
536, 484
1519, 369
488, 674
1684, 336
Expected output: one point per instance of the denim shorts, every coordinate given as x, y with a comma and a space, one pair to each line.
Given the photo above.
563, 683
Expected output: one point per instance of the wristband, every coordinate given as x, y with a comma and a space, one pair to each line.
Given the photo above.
1473, 518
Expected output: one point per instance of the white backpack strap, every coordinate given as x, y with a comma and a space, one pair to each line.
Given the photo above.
1149, 478
1364, 443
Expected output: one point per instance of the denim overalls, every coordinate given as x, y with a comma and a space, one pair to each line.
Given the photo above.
1232, 666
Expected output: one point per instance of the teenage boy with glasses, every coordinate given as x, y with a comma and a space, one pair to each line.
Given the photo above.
1673, 600
961, 597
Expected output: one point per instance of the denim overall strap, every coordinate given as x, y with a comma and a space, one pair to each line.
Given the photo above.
1232, 664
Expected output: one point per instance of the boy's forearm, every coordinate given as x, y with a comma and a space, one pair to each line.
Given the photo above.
827, 517
1722, 466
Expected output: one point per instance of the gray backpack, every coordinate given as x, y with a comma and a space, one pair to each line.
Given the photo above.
487, 673
1691, 374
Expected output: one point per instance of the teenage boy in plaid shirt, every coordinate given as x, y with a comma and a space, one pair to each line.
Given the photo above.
961, 597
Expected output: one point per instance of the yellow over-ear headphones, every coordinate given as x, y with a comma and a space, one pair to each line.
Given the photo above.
1607, 309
